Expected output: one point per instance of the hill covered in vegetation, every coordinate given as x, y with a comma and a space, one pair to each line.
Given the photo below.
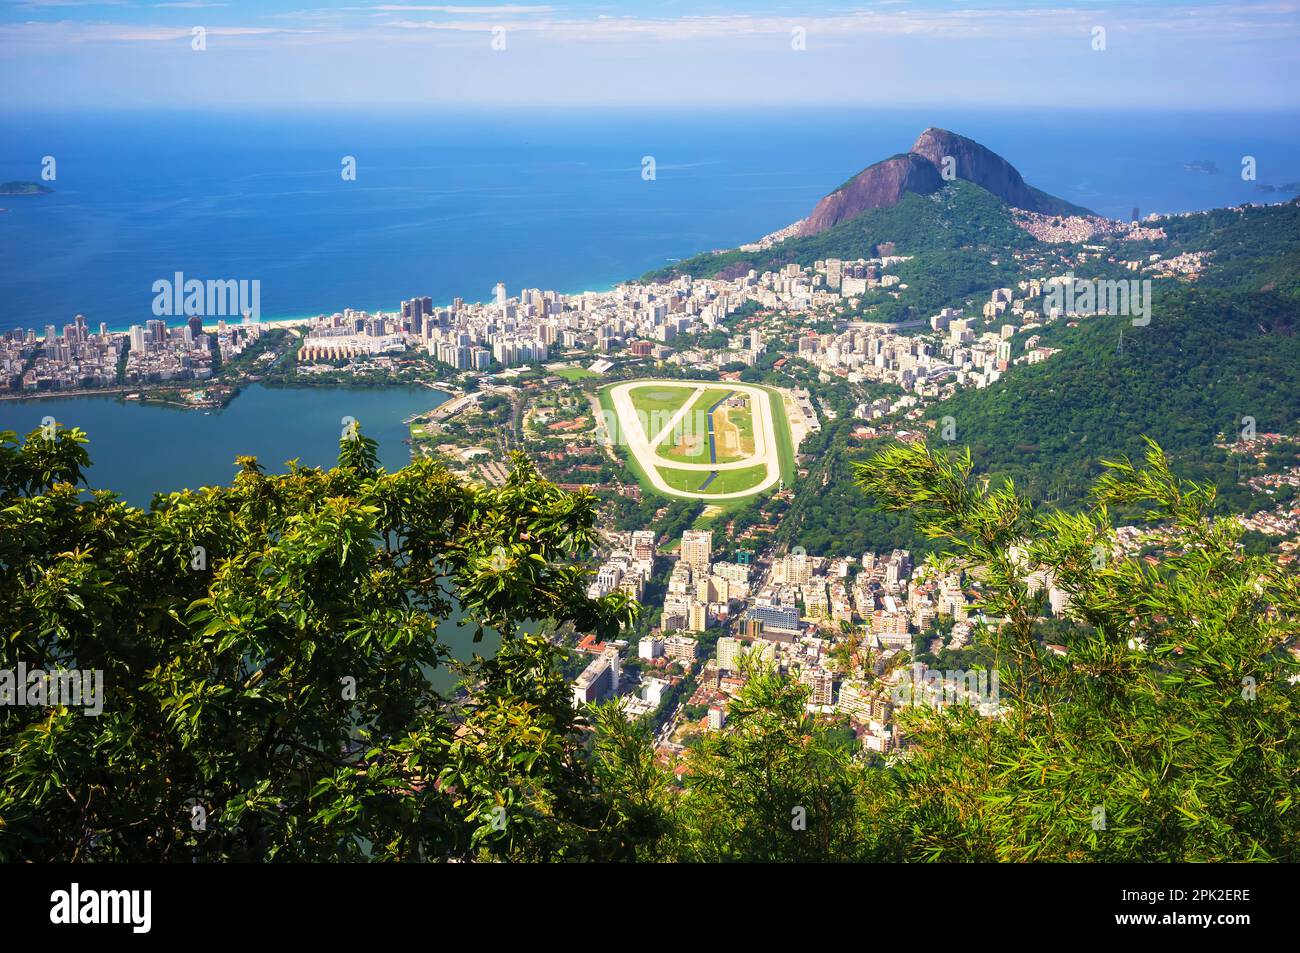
958, 216
1215, 353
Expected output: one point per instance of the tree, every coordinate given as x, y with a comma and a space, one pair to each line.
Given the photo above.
775, 786
265, 650
1168, 730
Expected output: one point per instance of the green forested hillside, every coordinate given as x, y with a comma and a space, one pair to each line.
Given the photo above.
1252, 249
1188, 376
961, 215
1213, 354
827, 517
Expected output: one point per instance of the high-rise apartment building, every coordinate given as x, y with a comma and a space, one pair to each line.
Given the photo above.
697, 548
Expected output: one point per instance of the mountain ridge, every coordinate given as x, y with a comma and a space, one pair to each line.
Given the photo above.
880, 185
886, 205
936, 157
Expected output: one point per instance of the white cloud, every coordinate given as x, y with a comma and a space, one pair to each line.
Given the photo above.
48, 4
487, 10
29, 36
1263, 20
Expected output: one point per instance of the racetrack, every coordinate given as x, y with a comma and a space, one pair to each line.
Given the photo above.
644, 446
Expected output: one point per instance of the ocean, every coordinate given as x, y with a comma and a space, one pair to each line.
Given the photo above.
447, 204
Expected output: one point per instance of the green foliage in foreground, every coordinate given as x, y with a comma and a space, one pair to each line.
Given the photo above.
1167, 733
1171, 713
265, 650
1171, 716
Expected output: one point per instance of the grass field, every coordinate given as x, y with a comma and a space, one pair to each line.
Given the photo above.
784, 443
727, 481
657, 402
733, 432
620, 448
692, 445
574, 374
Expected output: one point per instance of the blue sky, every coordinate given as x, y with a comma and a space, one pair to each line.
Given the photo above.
1180, 54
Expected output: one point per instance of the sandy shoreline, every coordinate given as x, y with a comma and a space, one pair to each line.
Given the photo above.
305, 319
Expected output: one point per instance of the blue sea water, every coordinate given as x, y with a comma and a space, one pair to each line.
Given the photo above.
447, 204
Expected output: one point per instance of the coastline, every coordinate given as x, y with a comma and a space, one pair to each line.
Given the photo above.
299, 320
81, 392
296, 385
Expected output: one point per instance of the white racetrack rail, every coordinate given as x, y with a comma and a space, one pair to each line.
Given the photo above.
643, 447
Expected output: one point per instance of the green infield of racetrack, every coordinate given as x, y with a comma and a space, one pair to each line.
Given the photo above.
695, 423
780, 423
743, 421
727, 481
658, 402
620, 445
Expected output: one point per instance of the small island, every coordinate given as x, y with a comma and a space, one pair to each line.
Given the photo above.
23, 188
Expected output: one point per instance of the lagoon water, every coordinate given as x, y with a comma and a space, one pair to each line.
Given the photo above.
139, 449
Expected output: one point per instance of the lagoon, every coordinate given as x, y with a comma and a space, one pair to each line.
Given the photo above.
138, 449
